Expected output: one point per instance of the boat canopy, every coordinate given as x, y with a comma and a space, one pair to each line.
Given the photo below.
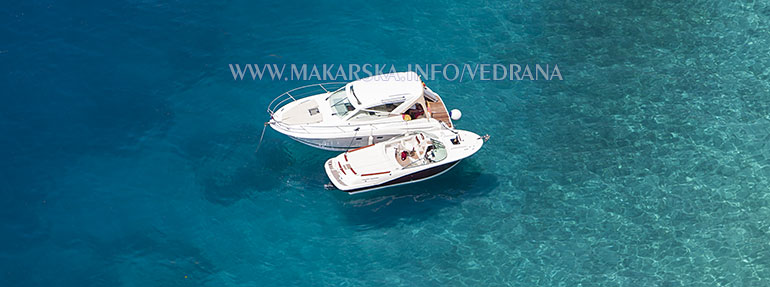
399, 91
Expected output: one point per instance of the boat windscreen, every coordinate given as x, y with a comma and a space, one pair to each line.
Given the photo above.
438, 152
340, 103
435, 152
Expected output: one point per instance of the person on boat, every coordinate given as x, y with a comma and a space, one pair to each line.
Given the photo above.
415, 111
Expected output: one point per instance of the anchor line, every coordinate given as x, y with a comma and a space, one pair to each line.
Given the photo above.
354, 137
262, 136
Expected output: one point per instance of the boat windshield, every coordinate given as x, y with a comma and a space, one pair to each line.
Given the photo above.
435, 152
340, 103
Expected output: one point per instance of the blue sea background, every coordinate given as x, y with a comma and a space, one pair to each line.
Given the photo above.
129, 156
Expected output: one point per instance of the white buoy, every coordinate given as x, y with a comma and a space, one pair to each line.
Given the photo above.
455, 114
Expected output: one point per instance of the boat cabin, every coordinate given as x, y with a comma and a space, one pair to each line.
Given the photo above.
393, 95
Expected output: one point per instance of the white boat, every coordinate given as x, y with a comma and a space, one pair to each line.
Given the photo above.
410, 158
340, 116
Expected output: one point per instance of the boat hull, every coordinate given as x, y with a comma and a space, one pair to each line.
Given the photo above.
347, 137
343, 144
409, 178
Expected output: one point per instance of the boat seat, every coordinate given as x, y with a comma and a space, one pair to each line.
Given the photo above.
397, 153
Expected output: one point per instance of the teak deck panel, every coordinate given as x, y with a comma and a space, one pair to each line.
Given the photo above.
438, 111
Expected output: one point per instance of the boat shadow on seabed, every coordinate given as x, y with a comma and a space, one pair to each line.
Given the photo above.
417, 201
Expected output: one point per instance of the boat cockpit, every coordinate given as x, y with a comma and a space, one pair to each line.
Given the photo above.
350, 106
419, 149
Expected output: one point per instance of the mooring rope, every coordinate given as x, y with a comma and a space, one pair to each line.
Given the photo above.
262, 136
354, 137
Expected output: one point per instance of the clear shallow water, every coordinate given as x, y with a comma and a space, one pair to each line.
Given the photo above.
129, 150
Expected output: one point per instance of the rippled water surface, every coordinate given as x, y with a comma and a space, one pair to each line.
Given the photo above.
129, 150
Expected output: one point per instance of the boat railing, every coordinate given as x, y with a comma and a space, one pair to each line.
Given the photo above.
308, 130
301, 92
342, 129
321, 129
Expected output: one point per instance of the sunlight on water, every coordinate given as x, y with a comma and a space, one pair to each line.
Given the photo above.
130, 150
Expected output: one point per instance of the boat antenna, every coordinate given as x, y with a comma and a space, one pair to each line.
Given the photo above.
261, 137
354, 137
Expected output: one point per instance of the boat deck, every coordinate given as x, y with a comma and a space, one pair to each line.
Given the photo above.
438, 111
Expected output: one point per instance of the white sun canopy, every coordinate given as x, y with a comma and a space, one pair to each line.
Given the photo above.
404, 87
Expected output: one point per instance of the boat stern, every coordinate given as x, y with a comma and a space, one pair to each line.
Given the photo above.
335, 173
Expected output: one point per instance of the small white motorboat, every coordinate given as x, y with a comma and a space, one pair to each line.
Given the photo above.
410, 158
340, 116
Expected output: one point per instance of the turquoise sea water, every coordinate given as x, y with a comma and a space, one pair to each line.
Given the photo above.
129, 151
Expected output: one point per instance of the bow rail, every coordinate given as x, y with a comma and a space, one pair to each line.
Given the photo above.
301, 92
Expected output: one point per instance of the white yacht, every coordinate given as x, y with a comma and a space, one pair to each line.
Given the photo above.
410, 158
340, 116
